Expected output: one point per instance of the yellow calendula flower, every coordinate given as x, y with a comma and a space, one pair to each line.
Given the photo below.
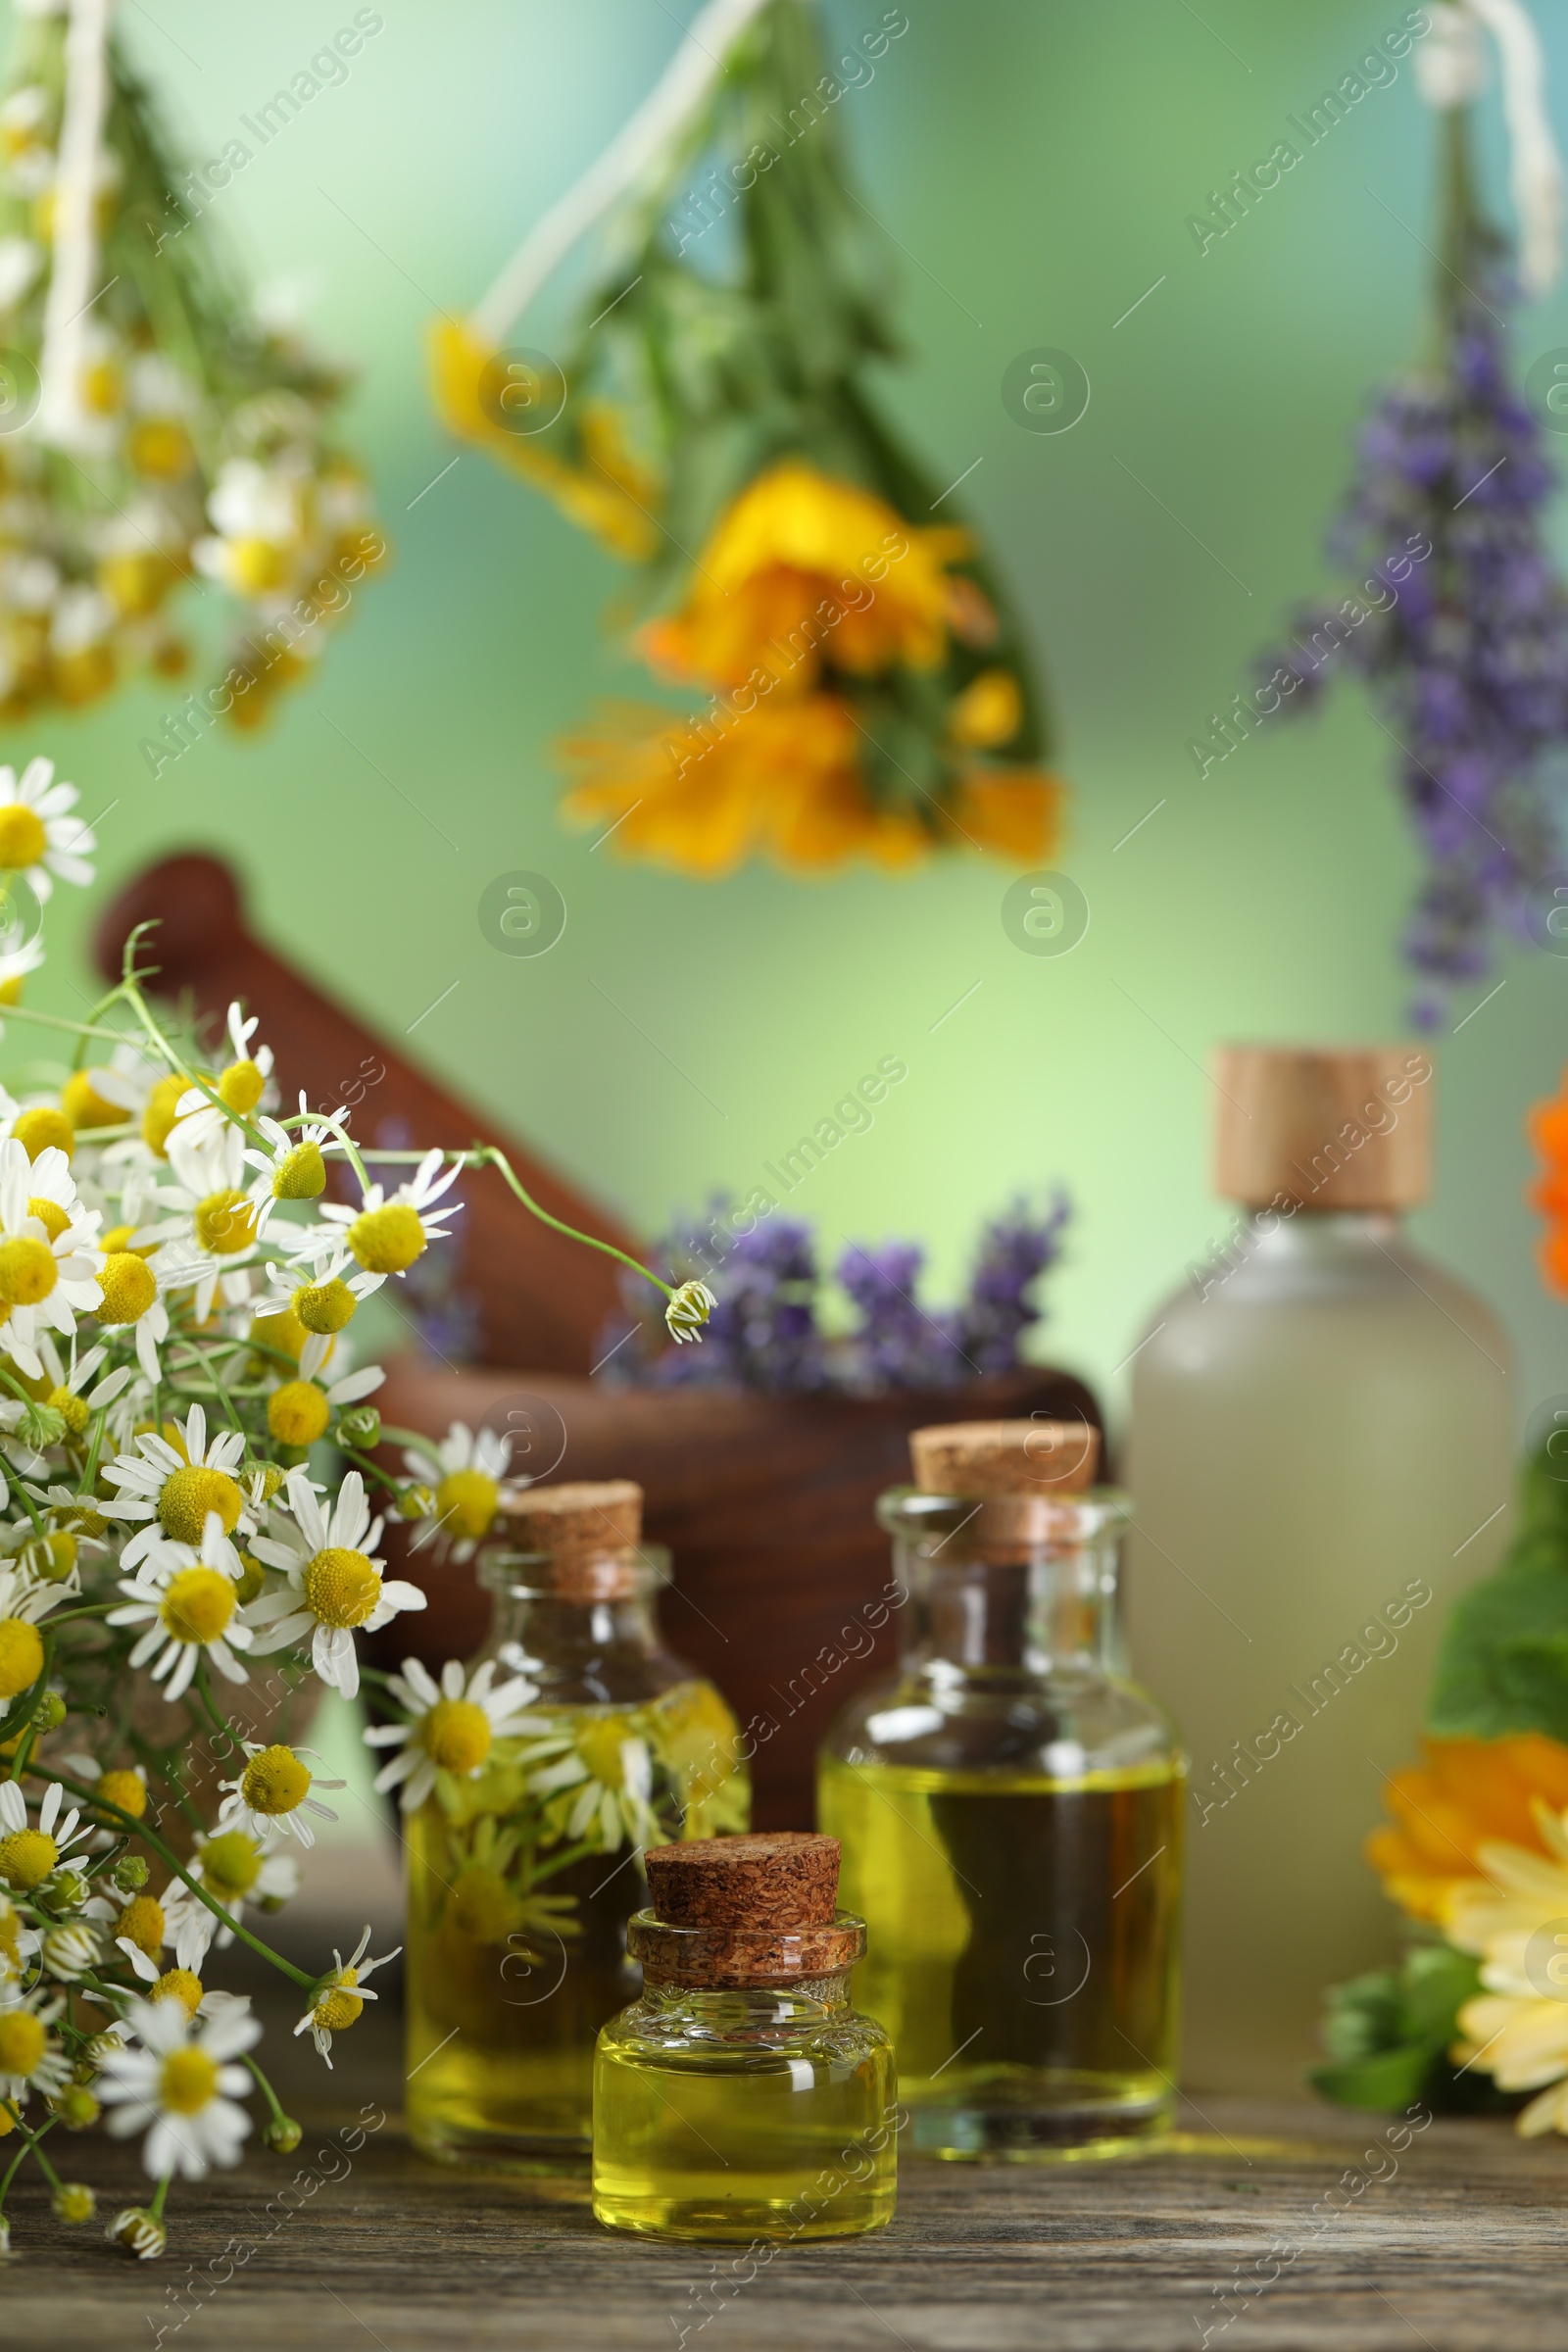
609, 493
802, 566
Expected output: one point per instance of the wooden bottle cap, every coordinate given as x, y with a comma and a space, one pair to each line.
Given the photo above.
783, 1879
989, 1459
1324, 1127
735, 1912
590, 1528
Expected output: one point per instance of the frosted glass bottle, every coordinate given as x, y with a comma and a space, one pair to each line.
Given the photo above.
1320, 1457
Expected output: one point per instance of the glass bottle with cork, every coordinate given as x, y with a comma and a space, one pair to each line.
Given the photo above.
1011, 1811
1321, 1451
742, 2097
523, 1877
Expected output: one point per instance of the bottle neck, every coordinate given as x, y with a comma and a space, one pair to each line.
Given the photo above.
742, 2011
578, 1649
1006, 1590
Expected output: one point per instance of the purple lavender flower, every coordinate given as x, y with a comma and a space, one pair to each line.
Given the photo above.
899, 1344
1016, 1248
1468, 661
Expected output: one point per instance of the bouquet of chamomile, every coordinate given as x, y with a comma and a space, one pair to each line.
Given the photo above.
188, 1486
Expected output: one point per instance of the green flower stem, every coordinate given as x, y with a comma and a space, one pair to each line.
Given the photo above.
351, 1148
372, 1469
564, 1860
266, 2088
28, 2146
172, 1862
53, 1020
156, 2207
203, 1690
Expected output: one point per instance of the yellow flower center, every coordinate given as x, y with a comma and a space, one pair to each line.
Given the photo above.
325, 1306
9, 1932
298, 1412
341, 1588
252, 1581
387, 1240
226, 1222
198, 1604
27, 1271
275, 1781
283, 1331
230, 1864
484, 1908
50, 1215
188, 1495
256, 565
161, 447
26, 1857
241, 1086
20, 1655
85, 1106
339, 2008
178, 1985
187, 2081
43, 1126
141, 1922
21, 2042
465, 1502
22, 839
126, 1791
52, 1557
600, 1745
72, 1410
455, 1735
300, 1175
10, 988
158, 1118
129, 1286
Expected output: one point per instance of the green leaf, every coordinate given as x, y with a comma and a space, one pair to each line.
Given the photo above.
1502, 1667
1386, 2034
1392, 2079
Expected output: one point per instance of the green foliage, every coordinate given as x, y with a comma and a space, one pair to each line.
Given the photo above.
1386, 2034
1503, 1664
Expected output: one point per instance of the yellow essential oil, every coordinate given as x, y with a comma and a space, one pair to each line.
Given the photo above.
523, 1875
742, 2097
1010, 1814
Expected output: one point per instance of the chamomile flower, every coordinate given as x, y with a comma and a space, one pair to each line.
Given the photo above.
187, 1600
323, 1301
464, 1472
236, 1871
26, 1599
292, 1167
688, 1310
239, 1087
30, 2059
181, 2088
340, 1996
173, 1489
39, 837
388, 1232
299, 1411
334, 1588
601, 1770
452, 1728
27, 1854
273, 1792
49, 1258
208, 1237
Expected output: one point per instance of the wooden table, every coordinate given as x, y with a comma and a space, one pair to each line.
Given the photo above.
1459, 2243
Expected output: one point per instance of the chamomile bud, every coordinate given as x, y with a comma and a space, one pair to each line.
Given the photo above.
688, 1310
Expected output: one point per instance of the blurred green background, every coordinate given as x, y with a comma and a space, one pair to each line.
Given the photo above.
1035, 164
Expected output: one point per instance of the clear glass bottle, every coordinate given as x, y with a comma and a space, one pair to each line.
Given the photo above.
1010, 1813
742, 2097
1321, 1451
521, 1879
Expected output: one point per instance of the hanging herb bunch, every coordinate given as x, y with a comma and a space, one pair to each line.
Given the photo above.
1458, 620
853, 681
158, 440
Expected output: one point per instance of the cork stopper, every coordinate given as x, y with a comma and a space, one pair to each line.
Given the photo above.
590, 1528
730, 1911
989, 1459
1323, 1127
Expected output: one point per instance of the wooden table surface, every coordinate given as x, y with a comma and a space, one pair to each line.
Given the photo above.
1459, 2242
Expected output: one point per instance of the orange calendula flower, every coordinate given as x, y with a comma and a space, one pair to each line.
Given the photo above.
609, 493
1468, 1793
803, 567
1549, 1131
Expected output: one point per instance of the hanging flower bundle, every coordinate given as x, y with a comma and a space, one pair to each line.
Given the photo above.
160, 443
188, 1486
1458, 618
853, 683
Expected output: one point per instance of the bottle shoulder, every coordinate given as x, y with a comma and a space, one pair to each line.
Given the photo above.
1066, 1724
752, 2033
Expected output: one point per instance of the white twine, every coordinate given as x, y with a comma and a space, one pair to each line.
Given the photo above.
1450, 68
61, 419
662, 115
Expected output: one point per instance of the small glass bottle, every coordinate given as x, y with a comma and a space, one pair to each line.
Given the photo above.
742, 2097
1011, 1812
521, 1879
